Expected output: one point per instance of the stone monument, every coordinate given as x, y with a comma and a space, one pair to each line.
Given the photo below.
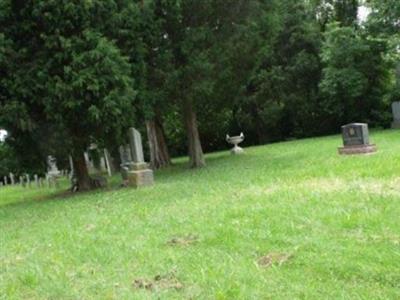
12, 178
396, 115
137, 171
52, 171
356, 139
235, 140
126, 160
108, 161
5, 180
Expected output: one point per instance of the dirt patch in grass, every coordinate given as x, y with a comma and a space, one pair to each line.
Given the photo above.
183, 240
273, 258
159, 282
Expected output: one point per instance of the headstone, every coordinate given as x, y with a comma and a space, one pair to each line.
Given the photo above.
41, 183
135, 141
52, 171
136, 172
28, 180
356, 139
396, 115
5, 180
21, 181
103, 164
36, 178
125, 154
12, 178
108, 162
126, 160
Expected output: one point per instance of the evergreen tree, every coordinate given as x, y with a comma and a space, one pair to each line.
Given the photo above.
62, 70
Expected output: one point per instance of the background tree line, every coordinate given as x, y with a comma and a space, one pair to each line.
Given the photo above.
186, 72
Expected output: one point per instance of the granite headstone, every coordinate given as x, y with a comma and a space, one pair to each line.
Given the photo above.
356, 139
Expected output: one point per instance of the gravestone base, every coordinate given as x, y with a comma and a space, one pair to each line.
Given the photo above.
357, 149
396, 125
139, 175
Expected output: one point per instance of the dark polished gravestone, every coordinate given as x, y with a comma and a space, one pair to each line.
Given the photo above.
356, 140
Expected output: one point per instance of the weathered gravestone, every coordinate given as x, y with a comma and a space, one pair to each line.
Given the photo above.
136, 171
28, 180
5, 180
126, 160
356, 139
52, 171
36, 178
108, 161
396, 115
12, 178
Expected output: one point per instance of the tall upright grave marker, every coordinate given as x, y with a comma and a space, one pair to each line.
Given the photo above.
136, 171
396, 115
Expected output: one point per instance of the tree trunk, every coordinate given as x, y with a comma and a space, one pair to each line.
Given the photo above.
159, 154
81, 172
196, 156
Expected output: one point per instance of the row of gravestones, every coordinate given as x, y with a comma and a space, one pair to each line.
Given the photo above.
136, 172
28, 181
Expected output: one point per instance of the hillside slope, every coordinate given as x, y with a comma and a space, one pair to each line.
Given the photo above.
288, 220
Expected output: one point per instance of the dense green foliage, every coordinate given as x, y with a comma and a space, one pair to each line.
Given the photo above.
337, 218
354, 76
77, 72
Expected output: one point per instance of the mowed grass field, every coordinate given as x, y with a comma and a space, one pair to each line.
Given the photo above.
291, 220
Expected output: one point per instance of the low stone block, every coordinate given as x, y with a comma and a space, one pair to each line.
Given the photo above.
357, 149
140, 178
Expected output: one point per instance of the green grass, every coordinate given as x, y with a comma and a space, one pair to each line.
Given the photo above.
337, 217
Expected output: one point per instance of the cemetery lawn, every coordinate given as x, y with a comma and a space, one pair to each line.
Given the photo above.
290, 220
